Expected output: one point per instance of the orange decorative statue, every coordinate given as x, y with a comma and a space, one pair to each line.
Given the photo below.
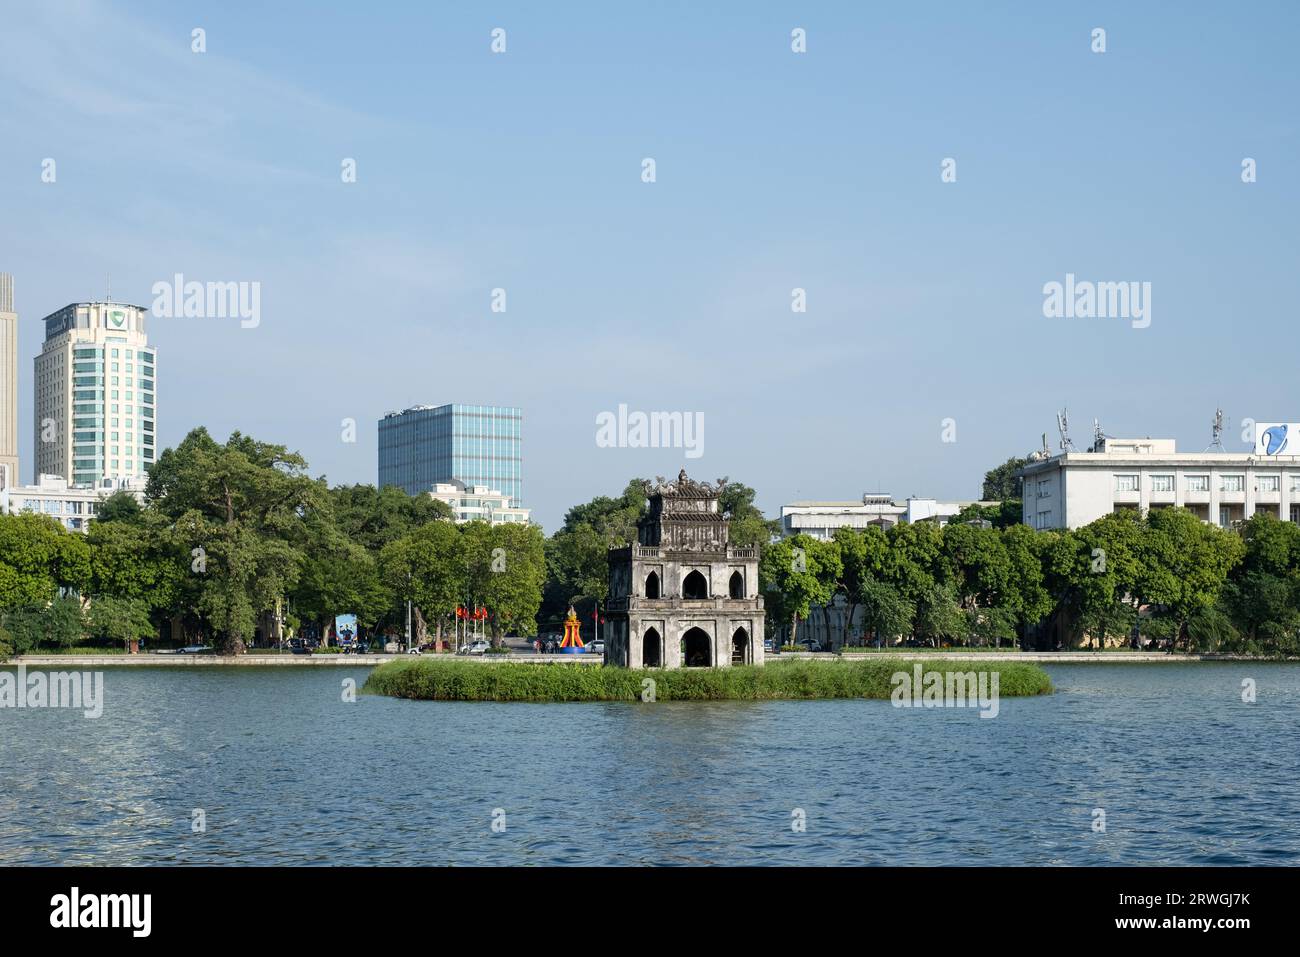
572, 643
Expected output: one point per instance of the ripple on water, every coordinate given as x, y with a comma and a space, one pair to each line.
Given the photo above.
288, 774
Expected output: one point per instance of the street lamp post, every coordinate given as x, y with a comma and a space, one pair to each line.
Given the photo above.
408, 613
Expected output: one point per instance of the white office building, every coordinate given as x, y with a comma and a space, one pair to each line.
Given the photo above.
1072, 489
479, 502
95, 393
822, 519
830, 627
73, 506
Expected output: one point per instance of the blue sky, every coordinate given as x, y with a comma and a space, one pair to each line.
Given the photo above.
775, 170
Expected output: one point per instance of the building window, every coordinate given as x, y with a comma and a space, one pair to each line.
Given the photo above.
695, 587
1126, 483
1198, 483
1268, 483
1162, 483
1232, 483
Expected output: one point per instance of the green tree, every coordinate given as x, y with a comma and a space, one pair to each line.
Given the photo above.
913, 559
795, 574
861, 554
55, 624
1185, 565
1264, 607
977, 565
1111, 564
429, 568
1262, 597
38, 557
990, 625
373, 517
1100, 622
939, 616
885, 612
121, 506
746, 524
1026, 595
340, 577
243, 510
137, 559
120, 619
1003, 514
1001, 482
507, 569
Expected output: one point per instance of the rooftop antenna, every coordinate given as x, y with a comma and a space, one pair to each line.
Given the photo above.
1063, 426
1098, 437
1218, 432
108, 288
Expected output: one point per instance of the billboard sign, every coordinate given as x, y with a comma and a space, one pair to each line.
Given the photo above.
1277, 438
345, 628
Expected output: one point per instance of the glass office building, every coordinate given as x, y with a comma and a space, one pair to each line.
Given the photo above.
473, 444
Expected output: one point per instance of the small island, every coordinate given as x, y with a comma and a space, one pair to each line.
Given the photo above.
446, 679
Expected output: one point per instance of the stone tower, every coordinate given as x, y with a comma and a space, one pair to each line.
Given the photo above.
683, 595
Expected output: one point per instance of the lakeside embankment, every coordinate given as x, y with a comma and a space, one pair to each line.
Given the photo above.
450, 680
294, 661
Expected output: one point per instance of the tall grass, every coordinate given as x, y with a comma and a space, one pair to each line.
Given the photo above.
952, 649
435, 680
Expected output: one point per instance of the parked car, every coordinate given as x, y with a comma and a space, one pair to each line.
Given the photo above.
597, 647
194, 650
476, 648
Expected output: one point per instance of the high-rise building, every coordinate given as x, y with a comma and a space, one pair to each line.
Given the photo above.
8, 379
472, 444
95, 390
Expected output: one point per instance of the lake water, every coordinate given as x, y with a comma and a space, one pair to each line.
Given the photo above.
287, 772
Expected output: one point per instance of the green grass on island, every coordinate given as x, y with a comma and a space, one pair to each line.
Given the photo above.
945, 650
431, 679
